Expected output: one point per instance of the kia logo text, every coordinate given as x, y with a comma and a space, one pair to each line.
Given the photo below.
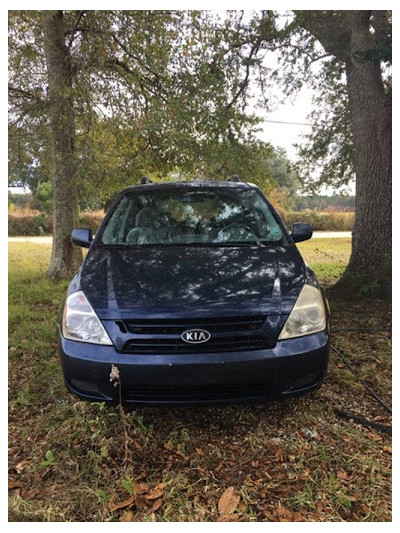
195, 336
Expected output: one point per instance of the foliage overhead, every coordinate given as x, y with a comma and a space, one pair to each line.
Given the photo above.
327, 155
155, 92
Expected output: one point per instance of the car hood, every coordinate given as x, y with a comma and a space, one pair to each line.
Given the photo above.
196, 281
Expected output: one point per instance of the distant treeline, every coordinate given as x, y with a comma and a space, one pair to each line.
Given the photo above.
324, 203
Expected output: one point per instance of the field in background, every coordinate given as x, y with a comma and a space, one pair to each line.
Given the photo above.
334, 221
28, 222
327, 257
293, 460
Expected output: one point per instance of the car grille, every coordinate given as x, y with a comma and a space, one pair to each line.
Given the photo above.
159, 336
179, 393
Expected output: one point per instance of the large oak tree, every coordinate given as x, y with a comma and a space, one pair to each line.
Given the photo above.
360, 40
121, 93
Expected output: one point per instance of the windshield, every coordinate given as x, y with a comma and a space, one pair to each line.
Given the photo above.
210, 216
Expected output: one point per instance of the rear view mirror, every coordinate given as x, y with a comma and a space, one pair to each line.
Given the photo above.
82, 237
301, 232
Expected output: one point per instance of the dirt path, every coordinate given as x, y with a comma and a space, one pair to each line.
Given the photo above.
316, 235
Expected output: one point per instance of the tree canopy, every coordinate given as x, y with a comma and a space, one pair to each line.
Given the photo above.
162, 92
154, 92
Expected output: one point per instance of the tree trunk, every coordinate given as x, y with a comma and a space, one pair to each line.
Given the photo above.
65, 258
371, 124
347, 35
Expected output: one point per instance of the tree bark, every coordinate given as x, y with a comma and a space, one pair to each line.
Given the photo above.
370, 113
347, 36
65, 258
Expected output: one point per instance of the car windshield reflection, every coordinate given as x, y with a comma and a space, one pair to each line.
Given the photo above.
214, 217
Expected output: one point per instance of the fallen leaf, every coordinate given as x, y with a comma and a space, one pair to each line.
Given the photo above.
242, 506
141, 502
228, 518
121, 505
155, 494
28, 495
283, 514
127, 516
141, 488
14, 484
228, 502
20, 466
279, 455
157, 504
219, 466
342, 475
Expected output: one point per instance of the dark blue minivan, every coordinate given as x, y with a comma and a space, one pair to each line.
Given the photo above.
196, 293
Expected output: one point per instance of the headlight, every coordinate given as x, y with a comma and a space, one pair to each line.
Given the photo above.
80, 322
307, 316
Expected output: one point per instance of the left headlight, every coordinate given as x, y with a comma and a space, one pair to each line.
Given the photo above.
307, 316
80, 322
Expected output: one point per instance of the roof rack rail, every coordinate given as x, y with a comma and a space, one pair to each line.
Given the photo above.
234, 177
145, 180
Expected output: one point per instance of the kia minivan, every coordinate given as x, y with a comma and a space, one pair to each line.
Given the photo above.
195, 292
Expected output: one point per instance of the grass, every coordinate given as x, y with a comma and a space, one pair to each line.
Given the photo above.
287, 461
327, 257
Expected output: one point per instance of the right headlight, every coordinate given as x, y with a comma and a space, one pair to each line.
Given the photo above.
307, 316
80, 322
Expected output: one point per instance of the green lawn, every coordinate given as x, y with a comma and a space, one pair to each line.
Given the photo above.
285, 461
327, 257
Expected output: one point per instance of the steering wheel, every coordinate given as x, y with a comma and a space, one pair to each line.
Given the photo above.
237, 225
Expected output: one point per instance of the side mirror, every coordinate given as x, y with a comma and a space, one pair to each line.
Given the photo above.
82, 237
301, 232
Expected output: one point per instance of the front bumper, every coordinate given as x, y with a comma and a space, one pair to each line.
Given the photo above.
293, 366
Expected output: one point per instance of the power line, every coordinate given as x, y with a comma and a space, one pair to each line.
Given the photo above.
292, 123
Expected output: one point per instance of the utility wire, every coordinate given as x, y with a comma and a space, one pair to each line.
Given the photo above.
292, 123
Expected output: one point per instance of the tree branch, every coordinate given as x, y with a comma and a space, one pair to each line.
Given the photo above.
75, 28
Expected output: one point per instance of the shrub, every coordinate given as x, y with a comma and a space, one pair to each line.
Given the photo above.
91, 219
335, 221
43, 198
26, 222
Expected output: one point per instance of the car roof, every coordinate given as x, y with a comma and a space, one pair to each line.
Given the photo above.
190, 185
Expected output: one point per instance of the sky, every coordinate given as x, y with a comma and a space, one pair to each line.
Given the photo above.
290, 126
287, 133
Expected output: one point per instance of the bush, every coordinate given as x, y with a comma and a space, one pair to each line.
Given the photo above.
43, 198
335, 221
91, 219
28, 222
